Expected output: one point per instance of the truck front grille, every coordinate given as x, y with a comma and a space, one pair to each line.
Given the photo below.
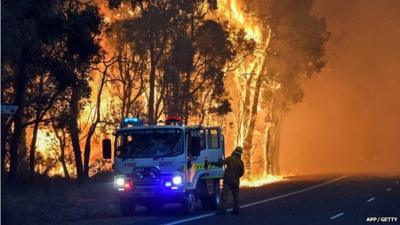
147, 182
147, 176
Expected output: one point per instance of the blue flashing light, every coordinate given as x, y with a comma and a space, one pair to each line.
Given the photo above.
131, 120
135, 121
168, 184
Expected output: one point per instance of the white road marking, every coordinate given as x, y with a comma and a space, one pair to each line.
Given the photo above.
258, 202
371, 199
336, 216
190, 219
388, 189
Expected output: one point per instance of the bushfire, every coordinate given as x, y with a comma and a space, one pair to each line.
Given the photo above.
256, 93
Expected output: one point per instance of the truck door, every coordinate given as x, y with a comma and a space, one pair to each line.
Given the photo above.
196, 143
205, 146
215, 145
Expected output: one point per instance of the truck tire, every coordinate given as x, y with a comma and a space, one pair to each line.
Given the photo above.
127, 206
188, 203
212, 201
215, 198
205, 203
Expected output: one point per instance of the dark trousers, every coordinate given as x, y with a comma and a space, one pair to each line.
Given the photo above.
227, 188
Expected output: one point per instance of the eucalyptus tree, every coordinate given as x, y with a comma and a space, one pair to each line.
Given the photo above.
296, 52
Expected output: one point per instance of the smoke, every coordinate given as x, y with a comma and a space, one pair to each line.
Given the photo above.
349, 120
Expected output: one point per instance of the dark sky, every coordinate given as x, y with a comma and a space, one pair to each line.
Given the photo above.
349, 120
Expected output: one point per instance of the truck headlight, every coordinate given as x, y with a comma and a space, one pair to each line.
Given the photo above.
119, 181
168, 184
177, 180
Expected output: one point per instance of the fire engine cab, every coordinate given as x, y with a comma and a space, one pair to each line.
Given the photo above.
169, 163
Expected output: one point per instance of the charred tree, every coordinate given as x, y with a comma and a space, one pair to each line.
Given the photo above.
20, 88
74, 131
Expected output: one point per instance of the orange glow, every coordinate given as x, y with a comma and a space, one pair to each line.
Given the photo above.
228, 10
44, 140
233, 11
258, 181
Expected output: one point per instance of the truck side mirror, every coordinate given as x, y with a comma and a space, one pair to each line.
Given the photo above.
195, 146
107, 148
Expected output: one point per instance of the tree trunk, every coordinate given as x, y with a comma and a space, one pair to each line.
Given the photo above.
32, 150
20, 91
87, 151
38, 118
267, 149
62, 143
152, 79
269, 125
186, 97
93, 126
248, 141
246, 104
277, 145
74, 130
5, 129
63, 163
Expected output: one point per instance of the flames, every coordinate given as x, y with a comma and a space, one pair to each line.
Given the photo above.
45, 138
232, 11
258, 181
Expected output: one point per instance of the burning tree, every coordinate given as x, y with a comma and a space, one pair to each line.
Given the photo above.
292, 49
289, 47
182, 54
199, 59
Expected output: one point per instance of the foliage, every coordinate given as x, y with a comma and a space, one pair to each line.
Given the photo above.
48, 47
298, 47
296, 52
187, 56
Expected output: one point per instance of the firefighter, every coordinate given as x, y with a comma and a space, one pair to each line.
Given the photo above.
234, 170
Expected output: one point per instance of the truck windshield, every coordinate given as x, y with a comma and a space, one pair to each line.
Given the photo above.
143, 143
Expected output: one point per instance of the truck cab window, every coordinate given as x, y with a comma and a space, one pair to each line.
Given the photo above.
119, 145
197, 142
212, 139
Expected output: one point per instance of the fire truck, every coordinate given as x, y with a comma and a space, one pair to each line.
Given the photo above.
168, 163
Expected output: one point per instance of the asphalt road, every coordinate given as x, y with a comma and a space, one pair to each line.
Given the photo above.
298, 200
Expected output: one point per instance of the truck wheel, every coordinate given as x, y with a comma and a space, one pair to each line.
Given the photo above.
188, 203
215, 198
205, 203
127, 206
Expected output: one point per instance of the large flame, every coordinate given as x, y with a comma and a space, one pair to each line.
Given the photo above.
229, 10
233, 11
258, 181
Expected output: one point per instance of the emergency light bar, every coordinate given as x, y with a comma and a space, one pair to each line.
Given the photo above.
174, 121
134, 121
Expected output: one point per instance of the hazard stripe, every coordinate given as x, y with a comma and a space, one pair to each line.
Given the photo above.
199, 166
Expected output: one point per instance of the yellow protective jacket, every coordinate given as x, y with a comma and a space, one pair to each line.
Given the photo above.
234, 169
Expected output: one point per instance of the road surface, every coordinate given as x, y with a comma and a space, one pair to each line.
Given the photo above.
298, 200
